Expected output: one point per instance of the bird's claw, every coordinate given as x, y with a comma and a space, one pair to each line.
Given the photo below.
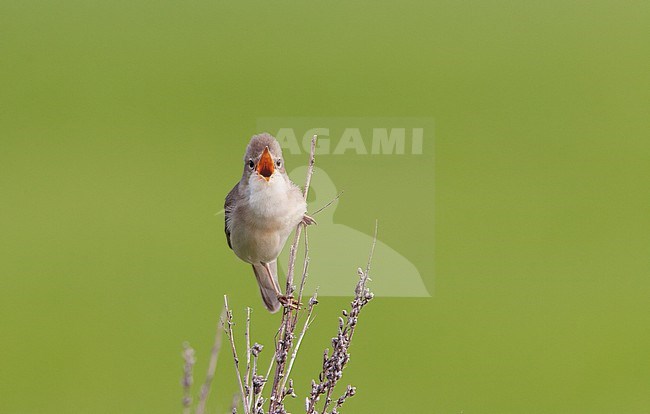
289, 302
306, 220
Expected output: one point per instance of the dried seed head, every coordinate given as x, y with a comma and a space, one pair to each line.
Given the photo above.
256, 349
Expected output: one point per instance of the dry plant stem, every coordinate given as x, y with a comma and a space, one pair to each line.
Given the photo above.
188, 379
305, 266
294, 245
328, 204
214, 356
247, 386
288, 327
366, 275
268, 371
281, 352
252, 394
349, 392
360, 290
235, 403
334, 363
228, 323
256, 381
289, 316
312, 303
258, 398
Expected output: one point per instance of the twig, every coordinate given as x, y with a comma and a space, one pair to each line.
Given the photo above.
328, 204
268, 371
247, 386
188, 379
228, 323
289, 316
281, 352
304, 268
372, 252
214, 356
235, 403
349, 392
312, 302
257, 381
334, 363
310, 168
296, 238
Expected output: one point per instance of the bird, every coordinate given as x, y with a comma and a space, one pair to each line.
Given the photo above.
260, 212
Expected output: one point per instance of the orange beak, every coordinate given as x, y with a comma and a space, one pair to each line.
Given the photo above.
265, 167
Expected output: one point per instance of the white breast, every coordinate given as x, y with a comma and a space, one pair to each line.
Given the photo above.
270, 211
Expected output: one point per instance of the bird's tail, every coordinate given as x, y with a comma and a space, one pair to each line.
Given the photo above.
268, 291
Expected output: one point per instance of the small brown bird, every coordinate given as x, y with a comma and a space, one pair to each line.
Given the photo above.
261, 211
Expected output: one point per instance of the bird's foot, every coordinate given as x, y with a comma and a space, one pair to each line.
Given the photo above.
289, 302
306, 220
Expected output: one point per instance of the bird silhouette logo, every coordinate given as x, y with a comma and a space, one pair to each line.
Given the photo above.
337, 250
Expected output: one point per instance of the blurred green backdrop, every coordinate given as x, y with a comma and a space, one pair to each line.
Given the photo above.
122, 126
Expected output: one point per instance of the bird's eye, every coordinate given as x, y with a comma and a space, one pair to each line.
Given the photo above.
278, 163
251, 164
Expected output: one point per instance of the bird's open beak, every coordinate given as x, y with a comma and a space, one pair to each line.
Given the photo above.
265, 166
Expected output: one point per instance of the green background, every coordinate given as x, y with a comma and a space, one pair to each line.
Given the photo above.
122, 126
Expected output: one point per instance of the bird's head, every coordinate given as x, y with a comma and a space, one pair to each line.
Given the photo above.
263, 159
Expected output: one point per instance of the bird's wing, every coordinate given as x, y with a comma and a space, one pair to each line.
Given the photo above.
228, 207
